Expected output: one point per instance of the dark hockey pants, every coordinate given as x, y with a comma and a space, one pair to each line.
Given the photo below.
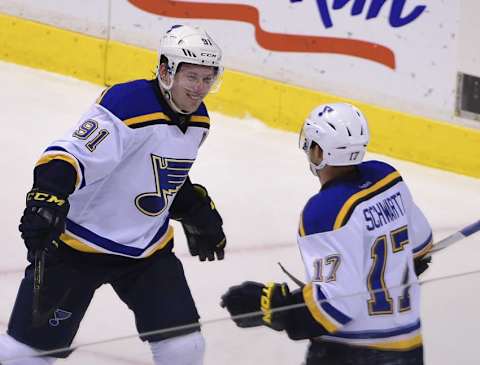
154, 288
329, 353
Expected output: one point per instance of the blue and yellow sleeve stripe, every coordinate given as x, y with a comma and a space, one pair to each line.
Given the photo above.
424, 248
59, 153
322, 311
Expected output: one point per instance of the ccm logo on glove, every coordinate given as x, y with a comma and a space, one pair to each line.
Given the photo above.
45, 197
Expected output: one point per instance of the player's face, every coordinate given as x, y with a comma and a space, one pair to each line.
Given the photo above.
191, 84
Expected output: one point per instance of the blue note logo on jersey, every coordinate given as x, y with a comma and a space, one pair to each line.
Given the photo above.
170, 174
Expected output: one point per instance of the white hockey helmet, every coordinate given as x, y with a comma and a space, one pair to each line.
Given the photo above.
341, 131
186, 44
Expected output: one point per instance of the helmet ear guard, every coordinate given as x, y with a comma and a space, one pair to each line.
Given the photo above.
340, 130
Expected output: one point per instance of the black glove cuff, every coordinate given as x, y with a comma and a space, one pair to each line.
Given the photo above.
204, 219
274, 297
300, 324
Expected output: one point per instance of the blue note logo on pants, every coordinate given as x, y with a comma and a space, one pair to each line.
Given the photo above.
59, 315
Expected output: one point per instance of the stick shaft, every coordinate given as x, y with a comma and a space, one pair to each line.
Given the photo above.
455, 237
37, 283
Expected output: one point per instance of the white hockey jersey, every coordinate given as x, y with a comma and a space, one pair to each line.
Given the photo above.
357, 239
131, 160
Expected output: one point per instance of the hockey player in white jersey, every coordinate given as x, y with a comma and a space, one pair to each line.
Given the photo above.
100, 205
363, 242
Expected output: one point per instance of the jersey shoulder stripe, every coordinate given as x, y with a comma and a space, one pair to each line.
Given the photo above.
162, 118
332, 207
148, 119
197, 120
138, 104
200, 118
365, 194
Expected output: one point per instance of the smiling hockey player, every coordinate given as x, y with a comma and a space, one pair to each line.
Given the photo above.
100, 205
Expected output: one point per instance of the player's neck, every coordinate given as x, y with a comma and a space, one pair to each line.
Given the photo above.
334, 172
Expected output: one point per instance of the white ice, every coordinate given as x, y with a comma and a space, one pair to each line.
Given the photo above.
259, 181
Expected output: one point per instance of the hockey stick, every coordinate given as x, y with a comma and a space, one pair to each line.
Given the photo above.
297, 281
39, 317
455, 237
438, 246
38, 275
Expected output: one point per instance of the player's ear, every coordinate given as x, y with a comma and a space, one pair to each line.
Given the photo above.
162, 71
316, 153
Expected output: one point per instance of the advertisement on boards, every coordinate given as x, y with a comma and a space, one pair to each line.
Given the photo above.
394, 53
400, 54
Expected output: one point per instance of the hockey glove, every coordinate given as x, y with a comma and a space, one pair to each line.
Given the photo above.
203, 228
421, 264
43, 219
251, 297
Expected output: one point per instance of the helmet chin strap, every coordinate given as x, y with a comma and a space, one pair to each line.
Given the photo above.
168, 96
315, 169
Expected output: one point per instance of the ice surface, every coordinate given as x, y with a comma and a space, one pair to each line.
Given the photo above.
260, 182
